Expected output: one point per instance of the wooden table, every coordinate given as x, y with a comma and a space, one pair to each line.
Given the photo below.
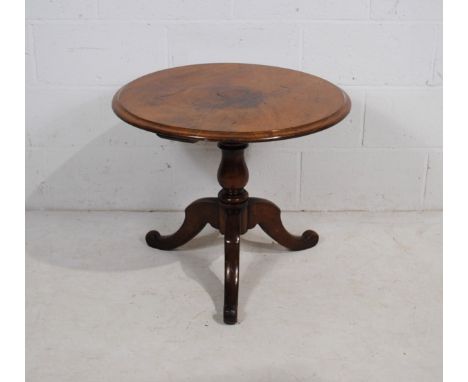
232, 104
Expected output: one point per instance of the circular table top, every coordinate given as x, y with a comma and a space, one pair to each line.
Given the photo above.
231, 102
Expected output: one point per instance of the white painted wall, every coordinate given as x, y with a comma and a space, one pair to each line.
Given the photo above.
386, 53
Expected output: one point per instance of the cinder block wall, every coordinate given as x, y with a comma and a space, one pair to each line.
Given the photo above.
387, 54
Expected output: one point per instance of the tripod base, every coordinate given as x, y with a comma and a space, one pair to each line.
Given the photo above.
233, 213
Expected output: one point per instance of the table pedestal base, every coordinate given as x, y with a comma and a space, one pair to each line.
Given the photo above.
233, 212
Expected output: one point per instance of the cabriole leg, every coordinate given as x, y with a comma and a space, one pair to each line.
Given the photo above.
197, 215
268, 216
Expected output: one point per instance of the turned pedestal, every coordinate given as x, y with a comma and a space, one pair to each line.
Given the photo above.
233, 212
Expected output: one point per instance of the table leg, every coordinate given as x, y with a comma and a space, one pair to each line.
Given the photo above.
233, 213
197, 215
231, 265
232, 176
268, 216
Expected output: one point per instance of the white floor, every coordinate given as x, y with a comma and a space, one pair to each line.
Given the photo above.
363, 305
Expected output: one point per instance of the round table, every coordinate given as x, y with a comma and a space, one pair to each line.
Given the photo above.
232, 104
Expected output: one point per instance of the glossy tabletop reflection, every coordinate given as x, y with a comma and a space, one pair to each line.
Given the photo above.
231, 103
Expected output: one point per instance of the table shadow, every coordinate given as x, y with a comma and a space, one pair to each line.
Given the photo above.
111, 167
83, 253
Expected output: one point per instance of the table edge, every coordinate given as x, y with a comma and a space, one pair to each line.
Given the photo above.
217, 136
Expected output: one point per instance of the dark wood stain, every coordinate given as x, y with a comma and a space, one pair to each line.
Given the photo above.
233, 213
231, 102
228, 97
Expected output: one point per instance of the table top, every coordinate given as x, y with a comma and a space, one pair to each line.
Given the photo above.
231, 102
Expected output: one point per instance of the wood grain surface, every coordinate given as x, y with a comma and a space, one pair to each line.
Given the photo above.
230, 102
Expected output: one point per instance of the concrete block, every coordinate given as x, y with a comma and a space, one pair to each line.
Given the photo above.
271, 44
67, 117
370, 54
403, 118
406, 9
30, 66
165, 10
274, 175
61, 9
147, 178
437, 77
98, 53
433, 196
362, 179
34, 175
301, 9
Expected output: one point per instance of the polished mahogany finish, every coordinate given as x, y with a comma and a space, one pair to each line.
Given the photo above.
233, 213
197, 216
233, 104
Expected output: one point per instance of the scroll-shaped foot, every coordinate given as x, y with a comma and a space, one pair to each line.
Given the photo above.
231, 266
268, 216
197, 215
